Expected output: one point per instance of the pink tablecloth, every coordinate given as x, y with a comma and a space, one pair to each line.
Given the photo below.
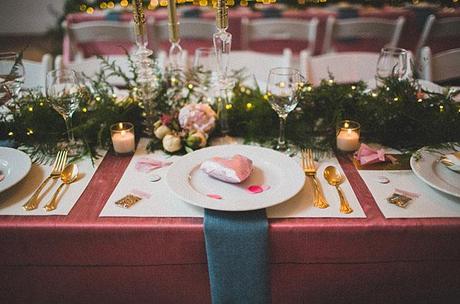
81, 258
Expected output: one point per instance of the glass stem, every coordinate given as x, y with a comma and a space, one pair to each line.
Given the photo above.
282, 138
223, 114
68, 125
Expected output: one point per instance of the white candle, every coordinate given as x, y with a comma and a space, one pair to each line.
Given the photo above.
348, 140
123, 138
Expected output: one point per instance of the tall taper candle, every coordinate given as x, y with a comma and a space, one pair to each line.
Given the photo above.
172, 22
139, 17
222, 14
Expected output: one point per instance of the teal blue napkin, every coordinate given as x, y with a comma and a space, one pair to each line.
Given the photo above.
237, 251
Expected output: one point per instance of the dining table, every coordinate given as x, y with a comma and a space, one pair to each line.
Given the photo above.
83, 257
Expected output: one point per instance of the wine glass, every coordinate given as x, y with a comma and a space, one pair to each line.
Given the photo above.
391, 62
282, 89
11, 76
205, 61
63, 91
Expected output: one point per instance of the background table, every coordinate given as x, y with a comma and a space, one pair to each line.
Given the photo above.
81, 258
415, 19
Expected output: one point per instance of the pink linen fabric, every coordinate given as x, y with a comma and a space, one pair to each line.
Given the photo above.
163, 260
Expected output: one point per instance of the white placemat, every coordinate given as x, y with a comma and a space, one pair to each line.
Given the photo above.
11, 201
430, 203
162, 203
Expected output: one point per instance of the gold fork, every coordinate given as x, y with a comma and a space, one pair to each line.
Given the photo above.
309, 169
58, 166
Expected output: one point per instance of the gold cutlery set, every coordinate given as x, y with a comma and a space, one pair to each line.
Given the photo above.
332, 176
67, 174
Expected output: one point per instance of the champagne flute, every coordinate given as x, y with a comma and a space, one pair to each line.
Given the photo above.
282, 89
11, 76
63, 91
391, 62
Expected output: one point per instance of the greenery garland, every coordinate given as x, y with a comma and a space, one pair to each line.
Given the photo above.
399, 114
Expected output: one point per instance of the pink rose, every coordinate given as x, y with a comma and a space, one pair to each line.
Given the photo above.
199, 117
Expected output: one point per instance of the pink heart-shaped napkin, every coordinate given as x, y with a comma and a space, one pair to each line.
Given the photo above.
231, 170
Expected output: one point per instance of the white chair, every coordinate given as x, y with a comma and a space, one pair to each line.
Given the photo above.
443, 28
258, 65
440, 67
98, 31
279, 29
91, 66
189, 28
35, 72
362, 28
346, 67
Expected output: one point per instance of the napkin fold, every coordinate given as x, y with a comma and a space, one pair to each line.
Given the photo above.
237, 252
367, 155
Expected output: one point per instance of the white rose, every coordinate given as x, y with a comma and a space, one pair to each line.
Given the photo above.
172, 143
162, 131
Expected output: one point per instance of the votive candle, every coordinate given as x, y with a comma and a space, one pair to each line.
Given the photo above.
348, 133
123, 138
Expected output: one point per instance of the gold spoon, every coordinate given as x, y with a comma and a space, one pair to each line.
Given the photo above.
334, 178
68, 175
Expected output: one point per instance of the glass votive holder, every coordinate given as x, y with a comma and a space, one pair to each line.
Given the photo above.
123, 138
348, 133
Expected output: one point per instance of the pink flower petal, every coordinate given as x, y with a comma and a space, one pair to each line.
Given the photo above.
258, 188
145, 164
214, 196
141, 193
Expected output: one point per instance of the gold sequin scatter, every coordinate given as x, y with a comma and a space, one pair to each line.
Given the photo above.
399, 200
128, 201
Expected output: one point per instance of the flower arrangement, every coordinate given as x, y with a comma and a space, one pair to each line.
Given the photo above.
189, 128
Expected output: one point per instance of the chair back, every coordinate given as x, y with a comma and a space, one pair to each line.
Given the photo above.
35, 72
386, 30
257, 65
442, 66
189, 28
279, 29
92, 32
90, 67
443, 28
346, 67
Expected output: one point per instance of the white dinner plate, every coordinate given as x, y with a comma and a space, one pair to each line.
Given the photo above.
280, 174
435, 174
14, 165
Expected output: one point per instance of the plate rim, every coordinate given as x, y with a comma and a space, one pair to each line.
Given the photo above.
422, 178
188, 200
28, 166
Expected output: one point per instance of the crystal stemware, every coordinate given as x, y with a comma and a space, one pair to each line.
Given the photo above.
205, 62
283, 87
63, 91
11, 76
391, 62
